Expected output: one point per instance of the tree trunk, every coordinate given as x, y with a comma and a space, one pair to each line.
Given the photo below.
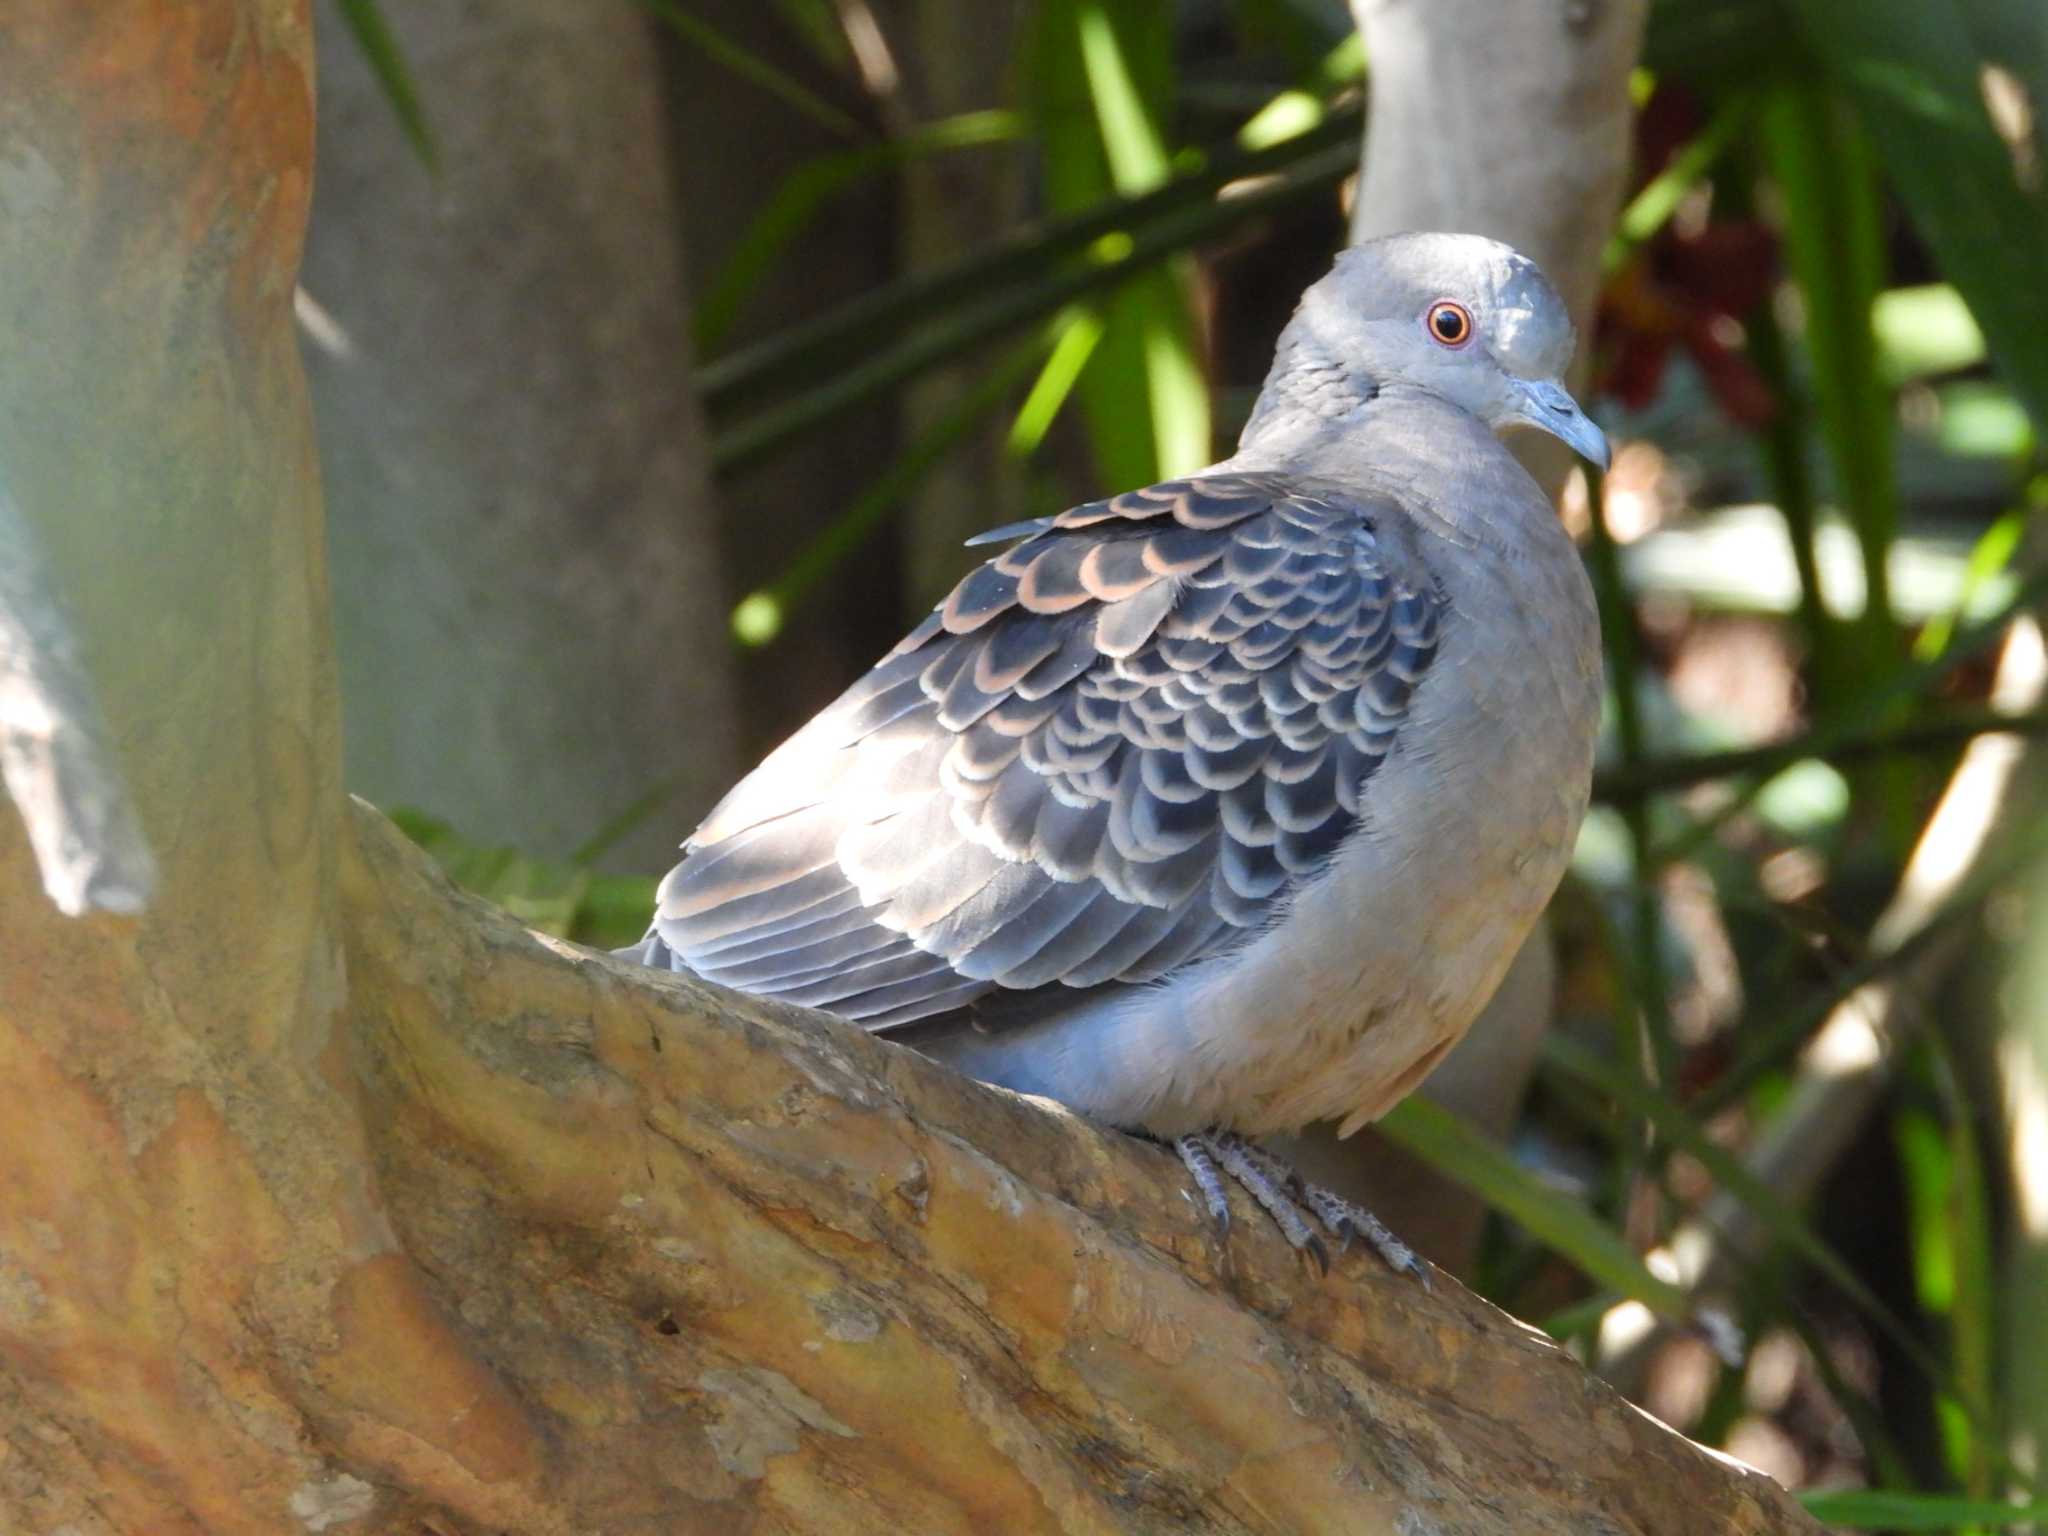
528, 587
336, 1201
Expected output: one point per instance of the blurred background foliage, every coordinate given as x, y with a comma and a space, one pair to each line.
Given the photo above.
1783, 1173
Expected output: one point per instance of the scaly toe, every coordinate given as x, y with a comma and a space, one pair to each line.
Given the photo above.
1198, 1153
1347, 1220
1237, 1160
1281, 1193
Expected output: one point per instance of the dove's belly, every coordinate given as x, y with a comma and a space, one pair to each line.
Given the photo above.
1344, 1005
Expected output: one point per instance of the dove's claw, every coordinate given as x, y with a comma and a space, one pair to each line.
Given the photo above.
1281, 1193
1208, 1179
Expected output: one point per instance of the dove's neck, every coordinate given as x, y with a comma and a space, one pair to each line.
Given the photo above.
1306, 389
1317, 417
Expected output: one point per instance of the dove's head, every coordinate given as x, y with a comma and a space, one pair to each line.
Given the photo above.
1464, 318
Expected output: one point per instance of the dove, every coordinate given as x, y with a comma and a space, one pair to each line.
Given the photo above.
1217, 807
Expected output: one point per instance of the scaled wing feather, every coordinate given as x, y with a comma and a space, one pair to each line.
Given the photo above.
1122, 744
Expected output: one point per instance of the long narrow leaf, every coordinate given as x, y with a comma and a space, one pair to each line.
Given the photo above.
795, 203
1913, 71
1099, 81
749, 66
1078, 331
957, 330
380, 48
1560, 1223
1301, 107
1822, 165
1872, 1509
1675, 1125
758, 618
1652, 208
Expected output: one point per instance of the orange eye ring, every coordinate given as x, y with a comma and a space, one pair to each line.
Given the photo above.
1449, 323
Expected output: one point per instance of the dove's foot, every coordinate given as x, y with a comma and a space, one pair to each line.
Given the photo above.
1282, 1193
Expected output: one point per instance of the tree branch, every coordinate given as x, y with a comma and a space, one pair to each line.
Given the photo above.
831, 1279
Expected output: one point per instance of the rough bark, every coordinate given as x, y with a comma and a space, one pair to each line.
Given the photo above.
527, 579
336, 1201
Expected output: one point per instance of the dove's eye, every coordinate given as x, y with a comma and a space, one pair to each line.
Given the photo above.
1449, 322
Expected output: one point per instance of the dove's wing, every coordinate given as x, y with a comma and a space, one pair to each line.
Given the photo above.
1120, 745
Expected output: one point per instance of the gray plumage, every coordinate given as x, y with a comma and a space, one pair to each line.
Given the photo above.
1224, 802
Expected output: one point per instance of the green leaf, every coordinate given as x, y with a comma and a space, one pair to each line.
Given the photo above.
1560, 1223
1872, 1509
1822, 164
543, 895
971, 315
1301, 107
614, 910
1077, 333
1989, 557
798, 198
759, 616
1037, 270
1784, 1223
1981, 419
749, 66
1923, 331
1651, 209
1130, 139
1914, 72
1102, 75
380, 48
566, 900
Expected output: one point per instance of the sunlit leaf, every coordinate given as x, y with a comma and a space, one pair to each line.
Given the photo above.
1301, 107
1651, 208
1784, 1223
1100, 77
972, 315
1925, 330
1981, 419
1989, 557
1035, 271
1077, 332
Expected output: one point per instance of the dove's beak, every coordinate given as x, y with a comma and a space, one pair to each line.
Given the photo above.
1549, 407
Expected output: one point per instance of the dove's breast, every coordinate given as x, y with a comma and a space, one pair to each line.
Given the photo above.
1339, 1007
1381, 965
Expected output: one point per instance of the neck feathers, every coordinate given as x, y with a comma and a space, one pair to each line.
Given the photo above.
1306, 389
